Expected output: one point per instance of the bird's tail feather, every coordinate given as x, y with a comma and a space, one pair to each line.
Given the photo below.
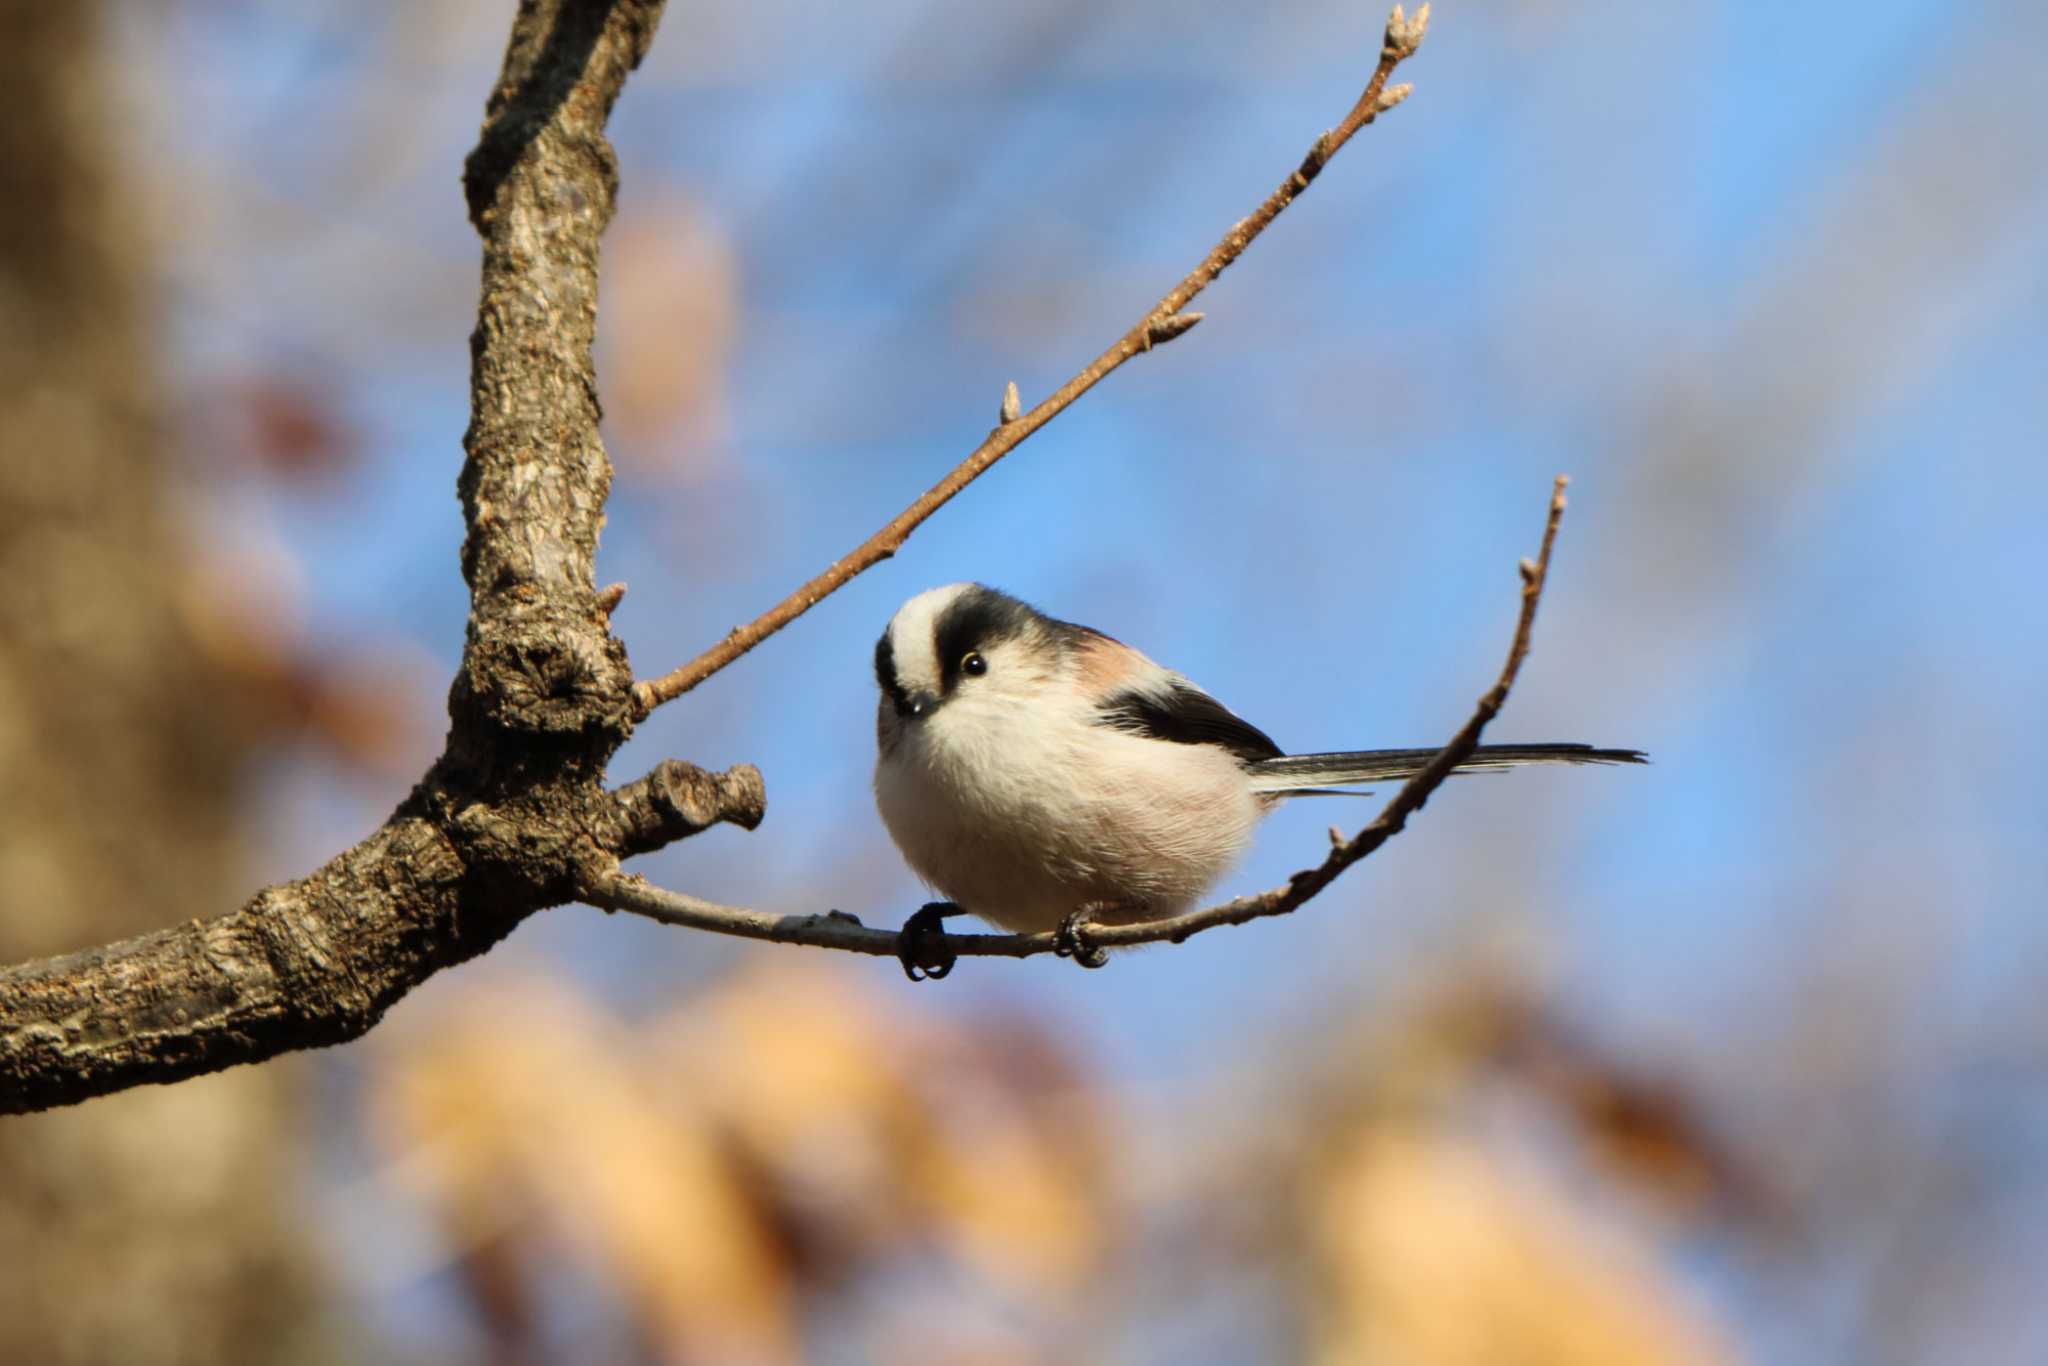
1299, 773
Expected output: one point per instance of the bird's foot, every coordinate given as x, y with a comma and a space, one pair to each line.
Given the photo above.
917, 946
1071, 940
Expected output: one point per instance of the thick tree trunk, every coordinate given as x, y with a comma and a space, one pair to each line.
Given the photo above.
148, 1227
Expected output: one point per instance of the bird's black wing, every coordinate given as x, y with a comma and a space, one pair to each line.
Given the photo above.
1185, 715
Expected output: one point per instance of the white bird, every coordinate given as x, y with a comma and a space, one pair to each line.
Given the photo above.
1040, 774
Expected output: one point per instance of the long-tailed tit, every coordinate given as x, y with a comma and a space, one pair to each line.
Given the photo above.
1038, 773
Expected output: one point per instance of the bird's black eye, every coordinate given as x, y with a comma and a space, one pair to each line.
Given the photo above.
974, 665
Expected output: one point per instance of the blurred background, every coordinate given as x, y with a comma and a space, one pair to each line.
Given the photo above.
1738, 1058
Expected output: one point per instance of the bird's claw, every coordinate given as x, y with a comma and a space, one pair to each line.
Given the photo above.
1071, 940
917, 946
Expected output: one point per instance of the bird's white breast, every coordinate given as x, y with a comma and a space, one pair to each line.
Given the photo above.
1025, 813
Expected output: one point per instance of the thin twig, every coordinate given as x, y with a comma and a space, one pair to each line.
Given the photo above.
1162, 324
619, 891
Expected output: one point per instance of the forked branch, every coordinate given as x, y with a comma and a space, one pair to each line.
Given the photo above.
614, 890
513, 817
1162, 324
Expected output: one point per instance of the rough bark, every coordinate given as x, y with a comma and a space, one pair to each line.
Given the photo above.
513, 814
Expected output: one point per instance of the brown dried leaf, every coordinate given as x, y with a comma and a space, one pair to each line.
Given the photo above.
525, 1101
1430, 1249
769, 1138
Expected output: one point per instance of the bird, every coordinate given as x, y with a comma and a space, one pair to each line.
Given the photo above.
1043, 775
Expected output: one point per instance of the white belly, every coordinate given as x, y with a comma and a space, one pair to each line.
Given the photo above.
1025, 827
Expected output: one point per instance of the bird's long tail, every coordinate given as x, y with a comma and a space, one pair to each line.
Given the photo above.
1304, 773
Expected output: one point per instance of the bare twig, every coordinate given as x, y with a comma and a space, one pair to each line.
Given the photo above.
614, 890
1162, 324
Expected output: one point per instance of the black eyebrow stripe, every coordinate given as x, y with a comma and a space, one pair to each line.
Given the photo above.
978, 618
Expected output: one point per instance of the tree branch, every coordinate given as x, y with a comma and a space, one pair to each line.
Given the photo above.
614, 890
509, 816
513, 817
678, 800
1162, 324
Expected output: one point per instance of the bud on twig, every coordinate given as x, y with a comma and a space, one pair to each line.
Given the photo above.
1404, 35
